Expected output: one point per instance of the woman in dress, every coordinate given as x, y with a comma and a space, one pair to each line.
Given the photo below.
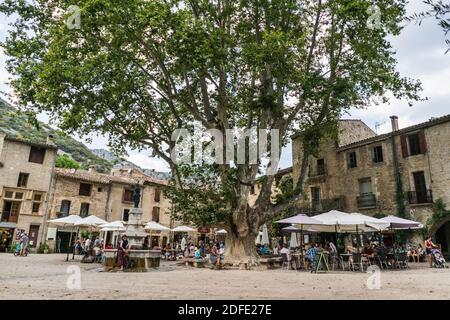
122, 252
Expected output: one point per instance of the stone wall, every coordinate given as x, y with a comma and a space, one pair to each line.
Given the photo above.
14, 158
340, 180
68, 189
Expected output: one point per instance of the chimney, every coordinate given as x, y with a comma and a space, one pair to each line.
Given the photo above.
91, 169
394, 122
50, 139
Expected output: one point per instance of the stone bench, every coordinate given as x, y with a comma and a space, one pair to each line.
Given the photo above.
270, 263
196, 263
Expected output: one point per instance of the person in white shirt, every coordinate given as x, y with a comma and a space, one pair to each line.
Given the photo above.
286, 251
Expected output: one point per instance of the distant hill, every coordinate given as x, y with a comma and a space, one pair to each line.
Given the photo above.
17, 125
121, 163
115, 160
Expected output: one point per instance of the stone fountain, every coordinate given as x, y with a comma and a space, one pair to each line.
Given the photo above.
141, 259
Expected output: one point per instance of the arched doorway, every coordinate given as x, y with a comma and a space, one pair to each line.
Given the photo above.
442, 236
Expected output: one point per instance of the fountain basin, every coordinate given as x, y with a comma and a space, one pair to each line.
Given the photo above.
140, 260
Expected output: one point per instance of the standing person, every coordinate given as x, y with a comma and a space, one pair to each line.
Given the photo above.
23, 244
97, 242
183, 244
87, 245
428, 246
122, 252
58, 244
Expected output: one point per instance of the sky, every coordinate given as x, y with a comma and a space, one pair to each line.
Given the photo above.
420, 51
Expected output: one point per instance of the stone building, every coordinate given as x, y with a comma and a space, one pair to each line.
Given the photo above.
401, 172
25, 180
107, 196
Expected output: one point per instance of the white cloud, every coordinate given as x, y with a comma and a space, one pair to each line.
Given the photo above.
146, 162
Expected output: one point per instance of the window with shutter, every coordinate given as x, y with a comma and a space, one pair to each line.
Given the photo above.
351, 159
127, 195
23, 180
155, 214
64, 210
157, 195
413, 144
378, 154
126, 214
36, 206
84, 210
37, 155
422, 142
85, 189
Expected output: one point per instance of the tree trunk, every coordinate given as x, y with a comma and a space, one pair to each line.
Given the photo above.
240, 248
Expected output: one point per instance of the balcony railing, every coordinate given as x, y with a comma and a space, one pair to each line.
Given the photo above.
323, 205
367, 200
318, 172
420, 197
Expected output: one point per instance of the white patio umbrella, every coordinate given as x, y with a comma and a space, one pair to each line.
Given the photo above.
183, 229
397, 223
70, 220
258, 238
222, 231
343, 222
90, 221
265, 236
155, 226
293, 243
113, 226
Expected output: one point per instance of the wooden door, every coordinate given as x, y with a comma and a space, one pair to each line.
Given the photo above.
33, 235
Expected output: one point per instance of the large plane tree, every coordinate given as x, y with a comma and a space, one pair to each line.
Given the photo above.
137, 70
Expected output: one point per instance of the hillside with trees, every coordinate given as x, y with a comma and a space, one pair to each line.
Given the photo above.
18, 125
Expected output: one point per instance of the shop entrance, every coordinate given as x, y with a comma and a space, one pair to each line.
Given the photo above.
443, 238
65, 238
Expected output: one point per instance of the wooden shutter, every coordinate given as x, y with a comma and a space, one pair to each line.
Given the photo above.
404, 146
37, 155
423, 142
157, 194
155, 214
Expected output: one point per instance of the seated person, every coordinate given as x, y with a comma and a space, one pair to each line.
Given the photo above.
222, 251
311, 254
369, 251
198, 254
264, 250
214, 256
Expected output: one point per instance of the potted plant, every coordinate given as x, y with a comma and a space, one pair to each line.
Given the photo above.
43, 248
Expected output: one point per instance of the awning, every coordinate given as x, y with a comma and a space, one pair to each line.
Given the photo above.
8, 225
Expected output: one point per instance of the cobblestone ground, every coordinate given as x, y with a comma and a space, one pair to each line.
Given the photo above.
46, 277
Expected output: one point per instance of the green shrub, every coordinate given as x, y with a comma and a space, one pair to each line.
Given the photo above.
43, 247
